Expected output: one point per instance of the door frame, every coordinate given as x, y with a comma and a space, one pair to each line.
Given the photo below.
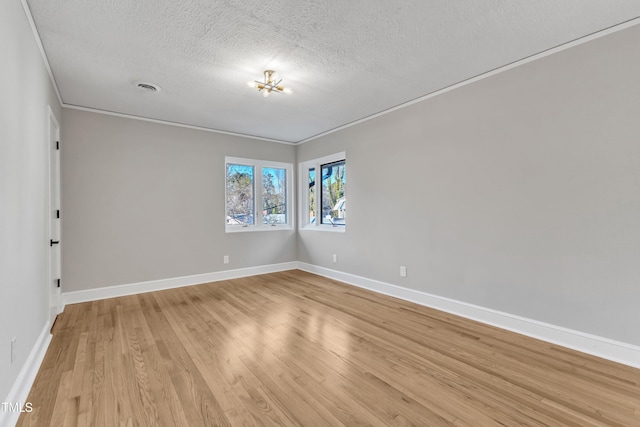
53, 204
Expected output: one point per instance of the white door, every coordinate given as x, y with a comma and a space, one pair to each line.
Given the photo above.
55, 299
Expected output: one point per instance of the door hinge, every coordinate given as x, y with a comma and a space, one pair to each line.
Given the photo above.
58, 213
58, 282
57, 145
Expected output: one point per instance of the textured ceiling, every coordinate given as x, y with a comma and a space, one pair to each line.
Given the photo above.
344, 59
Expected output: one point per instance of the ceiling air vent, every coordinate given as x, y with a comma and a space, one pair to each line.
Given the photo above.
148, 87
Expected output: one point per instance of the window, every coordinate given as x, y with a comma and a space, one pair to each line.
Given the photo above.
258, 194
323, 193
332, 197
240, 200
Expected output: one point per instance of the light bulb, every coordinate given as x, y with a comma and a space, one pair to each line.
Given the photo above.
265, 93
252, 84
287, 91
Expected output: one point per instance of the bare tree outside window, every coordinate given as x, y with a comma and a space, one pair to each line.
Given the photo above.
257, 195
333, 200
240, 194
274, 187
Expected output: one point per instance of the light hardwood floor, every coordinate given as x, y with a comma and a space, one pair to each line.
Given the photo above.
293, 348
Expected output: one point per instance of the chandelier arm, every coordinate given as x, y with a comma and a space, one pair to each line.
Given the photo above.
268, 84
273, 88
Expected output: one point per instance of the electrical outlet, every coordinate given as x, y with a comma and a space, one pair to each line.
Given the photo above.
226, 259
13, 350
335, 258
403, 271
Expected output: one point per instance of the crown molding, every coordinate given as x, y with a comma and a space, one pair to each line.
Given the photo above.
36, 36
581, 40
168, 123
523, 61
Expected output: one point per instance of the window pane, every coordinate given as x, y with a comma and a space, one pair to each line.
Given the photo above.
311, 203
239, 194
333, 199
274, 195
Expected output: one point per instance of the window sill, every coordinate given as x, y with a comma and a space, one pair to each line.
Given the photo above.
325, 228
250, 229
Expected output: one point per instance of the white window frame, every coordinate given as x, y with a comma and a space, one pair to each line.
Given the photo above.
258, 200
303, 193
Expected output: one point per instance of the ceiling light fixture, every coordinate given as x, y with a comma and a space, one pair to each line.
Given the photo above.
272, 83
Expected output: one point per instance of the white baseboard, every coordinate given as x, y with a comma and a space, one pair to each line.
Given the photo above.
175, 282
591, 344
605, 348
27, 375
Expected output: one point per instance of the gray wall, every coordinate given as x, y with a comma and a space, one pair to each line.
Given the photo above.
520, 192
25, 91
145, 201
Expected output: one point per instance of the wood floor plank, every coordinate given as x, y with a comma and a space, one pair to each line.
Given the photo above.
293, 348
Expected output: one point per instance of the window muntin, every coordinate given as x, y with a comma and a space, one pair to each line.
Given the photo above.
257, 194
